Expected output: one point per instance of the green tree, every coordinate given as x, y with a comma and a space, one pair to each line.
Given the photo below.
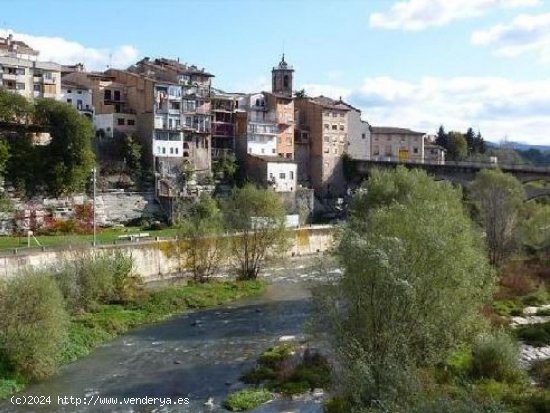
441, 138
535, 230
70, 156
14, 108
457, 147
413, 284
470, 137
479, 143
203, 238
257, 219
33, 324
131, 153
300, 94
498, 198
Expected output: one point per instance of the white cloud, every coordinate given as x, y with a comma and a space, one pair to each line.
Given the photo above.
526, 33
497, 106
417, 15
60, 50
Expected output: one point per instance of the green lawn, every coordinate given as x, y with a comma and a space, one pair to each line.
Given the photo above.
104, 236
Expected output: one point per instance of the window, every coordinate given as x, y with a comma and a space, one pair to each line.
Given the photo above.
415, 150
108, 129
36, 88
291, 175
120, 121
326, 138
326, 150
107, 94
387, 150
289, 155
272, 150
335, 150
130, 122
363, 136
117, 94
341, 127
69, 91
341, 115
163, 151
376, 150
327, 126
334, 127
79, 103
176, 150
171, 151
285, 81
79, 92
334, 114
158, 149
271, 175
69, 101
263, 150
257, 102
20, 86
282, 175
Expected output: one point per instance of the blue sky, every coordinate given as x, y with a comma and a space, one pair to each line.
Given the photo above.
409, 63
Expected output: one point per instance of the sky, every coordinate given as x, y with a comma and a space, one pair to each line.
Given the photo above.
409, 63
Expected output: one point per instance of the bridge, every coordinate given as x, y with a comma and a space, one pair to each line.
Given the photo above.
464, 172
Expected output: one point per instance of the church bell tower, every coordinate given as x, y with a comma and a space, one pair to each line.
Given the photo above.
282, 78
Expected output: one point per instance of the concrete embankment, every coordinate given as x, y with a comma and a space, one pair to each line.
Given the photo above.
155, 259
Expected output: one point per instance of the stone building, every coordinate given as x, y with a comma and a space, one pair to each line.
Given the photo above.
359, 135
321, 134
396, 144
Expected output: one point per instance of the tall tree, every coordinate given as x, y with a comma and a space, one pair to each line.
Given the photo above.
413, 284
257, 219
457, 147
203, 240
70, 155
479, 143
441, 138
14, 108
498, 197
470, 141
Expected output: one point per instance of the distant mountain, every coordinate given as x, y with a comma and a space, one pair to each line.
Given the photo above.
520, 146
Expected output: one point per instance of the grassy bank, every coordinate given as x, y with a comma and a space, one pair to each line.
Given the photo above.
104, 236
92, 328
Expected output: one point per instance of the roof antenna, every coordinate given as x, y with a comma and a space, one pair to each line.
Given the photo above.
283, 59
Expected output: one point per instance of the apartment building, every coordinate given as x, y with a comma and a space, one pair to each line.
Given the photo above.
22, 72
321, 136
396, 144
224, 109
359, 135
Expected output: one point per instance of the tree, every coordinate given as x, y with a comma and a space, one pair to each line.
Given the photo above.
441, 138
457, 148
479, 143
69, 154
414, 281
535, 229
131, 153
498, 198
203, 238
300, 94
14, 108
257, 219
226, 167
470, 137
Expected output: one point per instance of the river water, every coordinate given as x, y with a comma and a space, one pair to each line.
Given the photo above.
198, 355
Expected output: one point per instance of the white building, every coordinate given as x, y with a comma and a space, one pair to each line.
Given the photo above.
105, 124
80, 97
261, 127
274, 172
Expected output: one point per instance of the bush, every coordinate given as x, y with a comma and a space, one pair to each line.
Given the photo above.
456, 406
246, 399
495, 356
541, 372
535, 334
337, 405
274, 356
102, 278
258, 375
33, 324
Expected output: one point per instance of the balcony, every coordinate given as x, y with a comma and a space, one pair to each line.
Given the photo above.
262, 129
220, 153
222, 130
9, 76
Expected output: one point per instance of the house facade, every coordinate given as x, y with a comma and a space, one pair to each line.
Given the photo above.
396, 144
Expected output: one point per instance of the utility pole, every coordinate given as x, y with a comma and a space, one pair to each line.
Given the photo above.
94, 170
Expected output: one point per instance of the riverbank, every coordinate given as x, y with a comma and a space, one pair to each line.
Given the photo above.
89, 330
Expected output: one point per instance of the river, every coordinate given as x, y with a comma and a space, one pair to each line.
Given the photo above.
198, 355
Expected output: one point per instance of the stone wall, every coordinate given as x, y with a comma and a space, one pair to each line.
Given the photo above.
155, 260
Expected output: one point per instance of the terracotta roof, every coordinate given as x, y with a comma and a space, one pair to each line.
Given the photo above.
16, 46
164, 64
394, 131
329, 103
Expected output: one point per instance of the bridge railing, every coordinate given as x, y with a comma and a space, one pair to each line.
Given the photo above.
520, 167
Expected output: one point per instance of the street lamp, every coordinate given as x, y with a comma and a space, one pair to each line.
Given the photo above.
94, 171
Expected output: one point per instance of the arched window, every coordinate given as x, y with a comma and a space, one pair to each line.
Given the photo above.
285, 81
257, 102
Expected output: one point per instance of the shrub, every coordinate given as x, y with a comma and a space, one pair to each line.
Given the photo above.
337, 405
33, 324
456, 406
535, 334
274, 356
258, 375
102, 278
246, 399
541, 372
495, 356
